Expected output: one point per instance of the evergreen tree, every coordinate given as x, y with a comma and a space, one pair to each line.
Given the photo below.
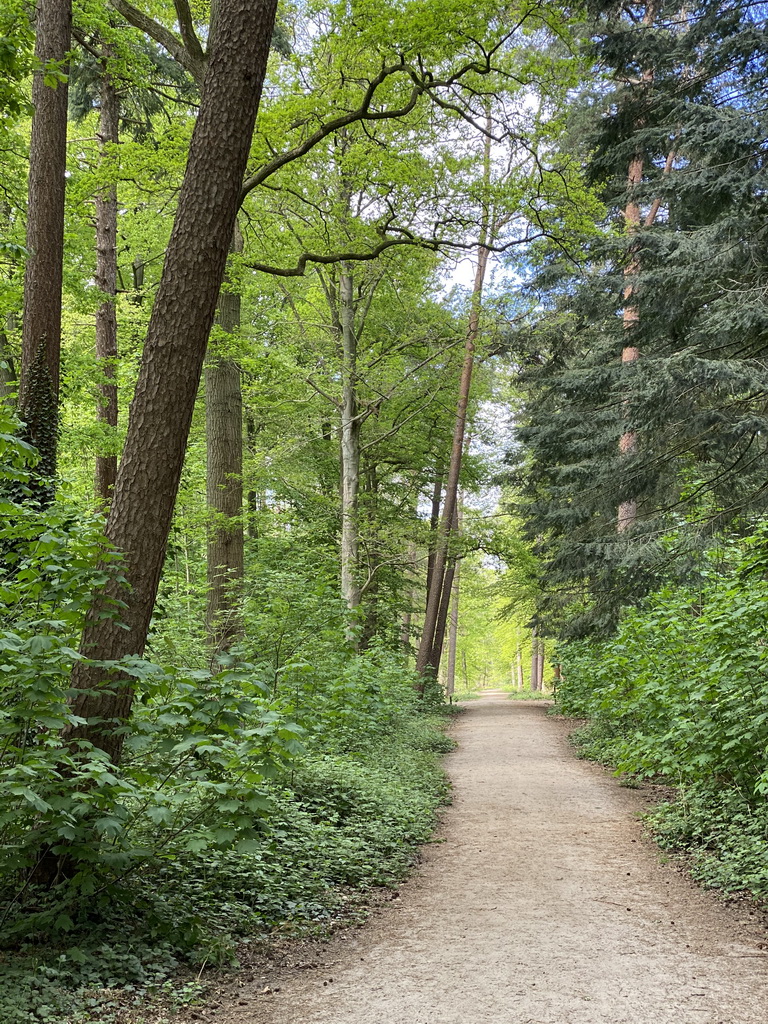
682, 96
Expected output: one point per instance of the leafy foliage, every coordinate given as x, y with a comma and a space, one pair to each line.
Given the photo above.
681, 693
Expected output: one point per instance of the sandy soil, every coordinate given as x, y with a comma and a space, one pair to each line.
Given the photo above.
543, 905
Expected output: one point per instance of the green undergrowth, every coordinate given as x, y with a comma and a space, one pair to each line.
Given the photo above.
271, 790
680, 695
341, 824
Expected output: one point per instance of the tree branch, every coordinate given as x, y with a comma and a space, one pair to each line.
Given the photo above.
313, 257
163, 36
188, 34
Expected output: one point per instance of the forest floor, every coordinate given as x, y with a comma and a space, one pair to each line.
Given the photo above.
541, 903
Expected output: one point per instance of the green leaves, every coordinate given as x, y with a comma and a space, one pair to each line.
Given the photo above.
681, 693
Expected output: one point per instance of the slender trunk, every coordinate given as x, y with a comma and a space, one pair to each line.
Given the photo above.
453, 637
442, 616
519, 660
224, 476
434, 522
169, 377
445, 597
106, 282
535, 660
375, 558
630, 353
41, 334
350, 447
540, 666
427, 655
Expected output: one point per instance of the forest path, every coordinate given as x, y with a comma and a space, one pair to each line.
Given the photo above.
543, 905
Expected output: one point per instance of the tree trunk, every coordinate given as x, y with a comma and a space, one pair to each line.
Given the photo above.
627, 515
427, 655
434, 522
224, 478
520, 677
375, 558
445, 597
540, 665
106, 282
535, 660
169, 377
350, 447
453, 638
41, 333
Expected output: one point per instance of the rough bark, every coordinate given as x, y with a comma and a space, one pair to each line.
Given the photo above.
224, 478
106, 282
41, 333
182, 316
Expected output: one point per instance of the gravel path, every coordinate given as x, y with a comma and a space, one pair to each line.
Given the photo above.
543, 905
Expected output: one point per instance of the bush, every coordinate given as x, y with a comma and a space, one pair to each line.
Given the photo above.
681, 693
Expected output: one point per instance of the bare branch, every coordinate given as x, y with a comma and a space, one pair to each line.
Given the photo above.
313, 257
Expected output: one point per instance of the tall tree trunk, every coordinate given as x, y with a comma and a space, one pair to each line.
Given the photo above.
106, 282
41, 332
519, 661
434, 522
540, 665
161, 413
627, 512
224, 477
535, 685
445, 597
350, 446
630, 353
453, 636
375, 558
427, 655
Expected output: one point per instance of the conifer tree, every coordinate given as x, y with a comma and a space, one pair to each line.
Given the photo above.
694, 402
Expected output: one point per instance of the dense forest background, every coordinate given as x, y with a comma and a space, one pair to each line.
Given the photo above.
352, 356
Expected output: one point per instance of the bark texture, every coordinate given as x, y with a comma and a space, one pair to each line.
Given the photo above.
224, 477
41, 332
106, 282
171, 367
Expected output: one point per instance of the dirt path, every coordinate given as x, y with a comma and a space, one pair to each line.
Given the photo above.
542, 906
